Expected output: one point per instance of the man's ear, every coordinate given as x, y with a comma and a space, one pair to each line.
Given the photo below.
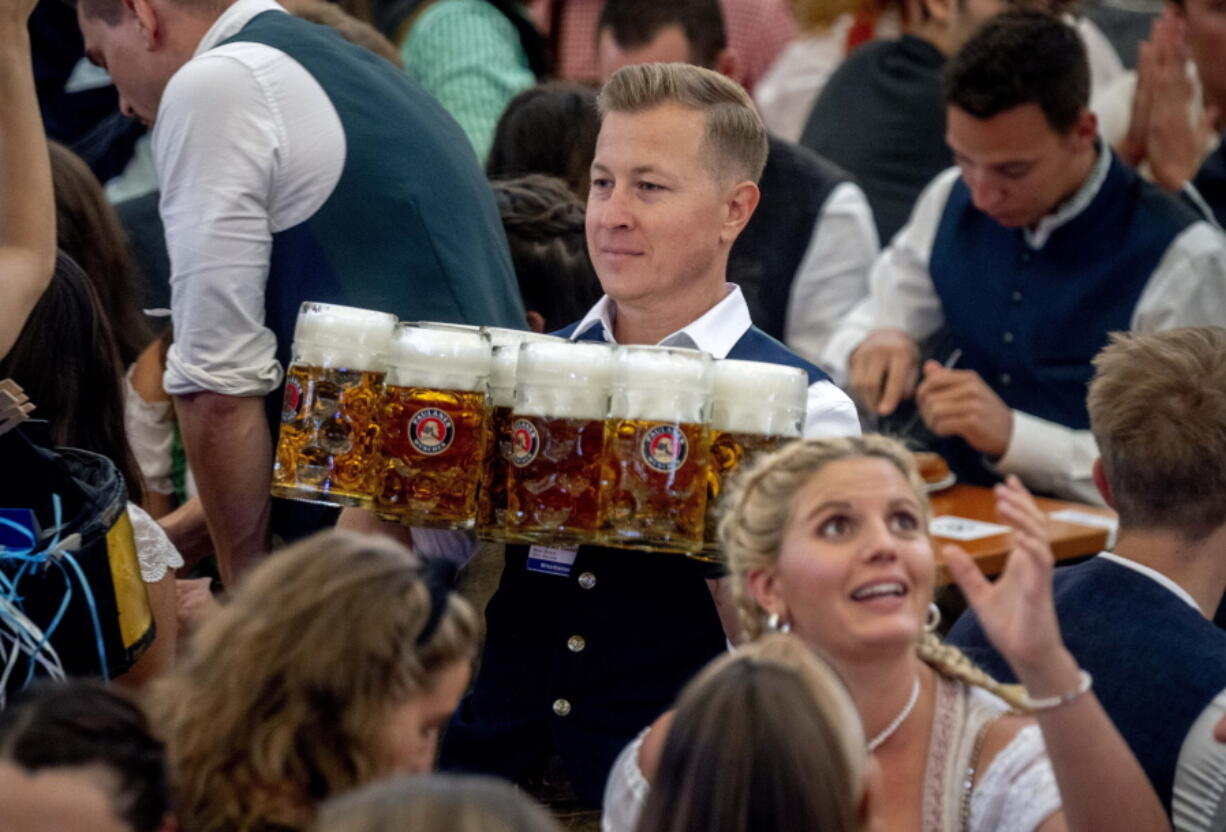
729, 65
1102, 483
763, 586
939, 11
1085, 131
146, 21
739, 204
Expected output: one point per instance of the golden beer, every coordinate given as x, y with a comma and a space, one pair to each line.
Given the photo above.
435, 421
329, 439
757, 408
433, 447
553, 480
655, 490
557, 437
492, 502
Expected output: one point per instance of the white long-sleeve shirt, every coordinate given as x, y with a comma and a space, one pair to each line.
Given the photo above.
1187, 288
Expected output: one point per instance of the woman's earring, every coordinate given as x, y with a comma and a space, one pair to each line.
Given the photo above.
774, 623
934, 618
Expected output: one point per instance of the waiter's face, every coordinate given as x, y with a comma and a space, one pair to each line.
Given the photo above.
656, 214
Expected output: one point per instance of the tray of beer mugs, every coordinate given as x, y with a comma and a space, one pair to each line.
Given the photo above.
523, 437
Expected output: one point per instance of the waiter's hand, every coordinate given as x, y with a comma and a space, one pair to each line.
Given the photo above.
960, 403
884, 369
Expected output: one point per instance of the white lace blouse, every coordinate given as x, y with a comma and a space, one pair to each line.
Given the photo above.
153, 547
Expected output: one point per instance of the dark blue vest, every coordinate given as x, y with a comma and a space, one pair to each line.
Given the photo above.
411, 227
1156, 662
754, 345
1029, 321
648, 625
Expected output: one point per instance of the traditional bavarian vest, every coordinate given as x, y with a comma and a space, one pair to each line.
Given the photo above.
767, 255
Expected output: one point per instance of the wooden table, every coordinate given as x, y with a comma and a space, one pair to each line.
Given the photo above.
1068, 540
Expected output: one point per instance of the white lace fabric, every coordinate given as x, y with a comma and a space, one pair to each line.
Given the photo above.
153, 547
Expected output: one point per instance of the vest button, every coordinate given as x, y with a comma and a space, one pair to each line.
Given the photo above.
1016, 297
576, 644
561, 707
1007, 337
587, 580
1006, 379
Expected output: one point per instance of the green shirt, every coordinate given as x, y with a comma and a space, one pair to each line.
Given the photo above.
468, 56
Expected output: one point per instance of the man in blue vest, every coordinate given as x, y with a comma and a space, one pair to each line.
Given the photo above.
1137, 617
803, 260
293, 166
587, 649
1028, 254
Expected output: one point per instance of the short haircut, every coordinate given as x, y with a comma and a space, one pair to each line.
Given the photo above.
636, 23
80, 723
111, 12
1158, 411
1018, 58
735, 137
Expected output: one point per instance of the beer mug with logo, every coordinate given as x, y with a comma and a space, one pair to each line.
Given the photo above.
756, 408
492, 504
656, 449
329, 434
557, 441
434, 419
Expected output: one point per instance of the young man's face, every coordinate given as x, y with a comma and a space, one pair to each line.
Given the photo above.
122, 50
655, 214
1206, 25
1017, 167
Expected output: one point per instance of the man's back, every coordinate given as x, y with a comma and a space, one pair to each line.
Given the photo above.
881, 117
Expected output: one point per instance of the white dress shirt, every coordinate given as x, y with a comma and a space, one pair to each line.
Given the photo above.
828, 410
246, 144
833, 275
1187, 288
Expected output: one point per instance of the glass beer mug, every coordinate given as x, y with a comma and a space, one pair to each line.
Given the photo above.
329, 436
656, 447
435, 420
756, 408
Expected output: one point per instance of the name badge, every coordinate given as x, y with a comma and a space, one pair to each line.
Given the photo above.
552, 560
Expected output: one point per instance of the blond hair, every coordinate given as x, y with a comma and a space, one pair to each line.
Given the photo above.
1157, 408
735, 139
757, 509
283, 697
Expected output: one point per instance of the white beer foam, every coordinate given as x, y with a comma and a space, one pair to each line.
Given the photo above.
327, 335
564, 380
759, 398
444, 358
506, 355
658, 384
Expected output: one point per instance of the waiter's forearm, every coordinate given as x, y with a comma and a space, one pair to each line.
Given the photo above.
230, 452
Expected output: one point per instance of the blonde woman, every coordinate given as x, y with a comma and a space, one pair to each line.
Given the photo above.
336, 662
830, 539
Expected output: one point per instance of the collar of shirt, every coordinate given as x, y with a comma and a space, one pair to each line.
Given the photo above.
716, 332
234, 18
1037, 238
1154, 575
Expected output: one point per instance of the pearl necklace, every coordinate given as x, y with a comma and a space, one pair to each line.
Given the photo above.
894, 725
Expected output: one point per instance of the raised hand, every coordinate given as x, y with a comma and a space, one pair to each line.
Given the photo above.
1017, 612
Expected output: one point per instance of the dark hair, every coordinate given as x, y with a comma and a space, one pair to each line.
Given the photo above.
1017, 58
88, 230
68, 363
636, 23
79, 723
544, 225
549, 129
751, 748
